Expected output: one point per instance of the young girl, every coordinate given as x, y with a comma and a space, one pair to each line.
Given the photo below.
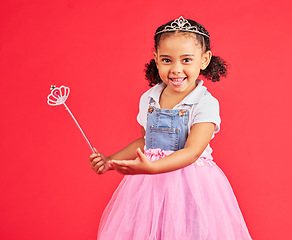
174, 190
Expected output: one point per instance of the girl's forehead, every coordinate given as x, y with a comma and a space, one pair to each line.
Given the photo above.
179, 42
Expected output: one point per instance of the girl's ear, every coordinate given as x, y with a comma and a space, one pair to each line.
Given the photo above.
206, 58
155, 57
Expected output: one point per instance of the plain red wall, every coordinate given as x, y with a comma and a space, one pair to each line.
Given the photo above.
98, 49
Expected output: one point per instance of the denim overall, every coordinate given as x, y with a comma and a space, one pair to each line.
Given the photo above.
166, 129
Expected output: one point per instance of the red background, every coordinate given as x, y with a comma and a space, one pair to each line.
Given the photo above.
98, 49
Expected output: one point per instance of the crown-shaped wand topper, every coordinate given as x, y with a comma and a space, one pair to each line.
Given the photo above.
58, 96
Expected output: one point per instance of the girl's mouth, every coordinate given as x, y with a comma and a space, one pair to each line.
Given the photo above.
177, 81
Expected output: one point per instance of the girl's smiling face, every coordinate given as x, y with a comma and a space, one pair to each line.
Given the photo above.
179, 59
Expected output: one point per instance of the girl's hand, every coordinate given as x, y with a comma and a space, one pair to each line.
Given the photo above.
141, 165
99, 162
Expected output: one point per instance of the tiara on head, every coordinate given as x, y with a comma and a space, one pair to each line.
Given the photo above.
181, 24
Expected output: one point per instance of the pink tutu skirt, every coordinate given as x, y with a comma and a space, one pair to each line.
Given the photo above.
192, 203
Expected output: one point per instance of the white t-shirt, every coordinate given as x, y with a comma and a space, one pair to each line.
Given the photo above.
205, 108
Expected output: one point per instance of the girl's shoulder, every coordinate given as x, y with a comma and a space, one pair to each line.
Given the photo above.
208, 98
207, 104
206, 110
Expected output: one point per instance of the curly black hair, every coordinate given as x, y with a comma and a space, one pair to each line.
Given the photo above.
217, 67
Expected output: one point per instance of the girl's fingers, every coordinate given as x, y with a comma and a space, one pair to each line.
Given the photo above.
97, 152
121, 163
121, 169
92, 156
95, 161
100, 170
110, 165
98, 165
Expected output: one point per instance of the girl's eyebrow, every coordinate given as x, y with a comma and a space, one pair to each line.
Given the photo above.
187, 55
184, 55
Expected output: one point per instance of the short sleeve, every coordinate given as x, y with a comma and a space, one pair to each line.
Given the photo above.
142, 115
207, 110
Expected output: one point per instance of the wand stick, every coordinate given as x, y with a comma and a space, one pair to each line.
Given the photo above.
58, 96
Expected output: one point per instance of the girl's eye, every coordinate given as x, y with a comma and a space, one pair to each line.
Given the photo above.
187, 60
166, 60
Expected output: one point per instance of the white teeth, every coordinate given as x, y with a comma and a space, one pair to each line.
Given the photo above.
177, 79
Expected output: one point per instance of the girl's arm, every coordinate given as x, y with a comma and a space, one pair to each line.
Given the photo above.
129, 152
198, 139
100, 163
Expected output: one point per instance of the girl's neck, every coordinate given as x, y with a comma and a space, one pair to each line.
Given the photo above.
169, 99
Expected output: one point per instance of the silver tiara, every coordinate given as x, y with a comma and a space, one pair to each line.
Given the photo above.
182, 24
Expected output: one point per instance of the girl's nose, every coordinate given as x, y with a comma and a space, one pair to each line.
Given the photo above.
176, 68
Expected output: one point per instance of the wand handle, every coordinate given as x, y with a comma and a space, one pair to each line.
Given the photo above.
79, 127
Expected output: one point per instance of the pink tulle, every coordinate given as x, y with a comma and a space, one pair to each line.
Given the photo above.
193, 203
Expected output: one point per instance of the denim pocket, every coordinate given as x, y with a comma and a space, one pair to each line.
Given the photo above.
164, 138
